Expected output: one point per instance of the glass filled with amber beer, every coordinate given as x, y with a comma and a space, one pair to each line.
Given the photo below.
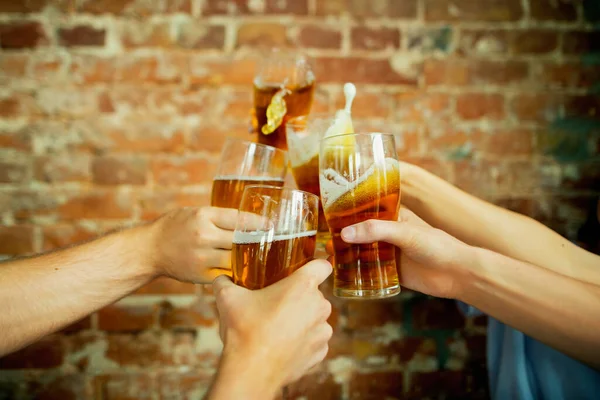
360, 180
275, 234
304, 134
245, 163
284, 86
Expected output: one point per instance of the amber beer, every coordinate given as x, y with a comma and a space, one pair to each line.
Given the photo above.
227, 190
298, 102
258, 263
363, 270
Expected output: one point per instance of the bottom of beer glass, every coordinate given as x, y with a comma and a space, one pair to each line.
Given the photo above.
367, 294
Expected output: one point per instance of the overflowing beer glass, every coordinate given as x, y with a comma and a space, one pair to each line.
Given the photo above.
245, 163
360, 180
275, 234
284, 86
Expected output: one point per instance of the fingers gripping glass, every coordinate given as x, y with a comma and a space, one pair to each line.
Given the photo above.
275, 234
360, 180
245, 163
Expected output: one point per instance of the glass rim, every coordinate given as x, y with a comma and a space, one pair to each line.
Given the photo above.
261, 145
373, 133
282, 189
310, 117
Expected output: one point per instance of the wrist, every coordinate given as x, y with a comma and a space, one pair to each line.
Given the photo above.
468, 270
243, 375
147, 245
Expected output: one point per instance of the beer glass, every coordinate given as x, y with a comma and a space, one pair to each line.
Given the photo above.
284, 86
275, 234
360, 180
245, 163
304, 134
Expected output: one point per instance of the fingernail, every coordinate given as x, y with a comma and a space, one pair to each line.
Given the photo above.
349, 232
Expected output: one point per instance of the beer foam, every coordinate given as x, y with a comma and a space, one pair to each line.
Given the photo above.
334, 185
248, 178
266, 236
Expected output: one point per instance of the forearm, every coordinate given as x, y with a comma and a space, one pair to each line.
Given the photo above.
554, 309
44, 294
483, 224
239, 377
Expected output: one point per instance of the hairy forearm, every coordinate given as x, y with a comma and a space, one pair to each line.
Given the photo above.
239, 377
483, 224
554, 309
43, 294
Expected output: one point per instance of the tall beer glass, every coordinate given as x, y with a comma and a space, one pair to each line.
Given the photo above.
304, 136
360, 180
284, 86
275, 234
245, 163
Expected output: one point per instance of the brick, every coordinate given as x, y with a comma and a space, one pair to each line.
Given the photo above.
376, 385
171, 171
224, 71
14, 171
472, 106
26, 204
583, 106
146, 34
61, 387
155, 204
185, 386
421, 106
200, 313
78, 326
8, 6
16, 240
431, 164
48, 352
137, 8
431, 40
364, 38
19, 35
360, 70
550, 10
319, 385
536, 107
118, 386
591, 11
18, 140
245, 7
319, 37
150, 349
262, 34
568, 75
63, 235
13, 65
484, 41
431, 313
483, 178
111, 170
509, 142
200, 36
455, 72
63, 168
534, 41
469, 10
121, 318
372, 314
437, 384
97, 204
581, 42
366, 347
81, 35
164, 285
361, 9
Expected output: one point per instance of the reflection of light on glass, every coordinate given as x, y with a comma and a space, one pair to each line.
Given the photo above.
248, 159
378, 149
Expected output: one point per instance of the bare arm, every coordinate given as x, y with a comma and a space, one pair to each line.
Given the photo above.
43, 294
553, 308
483, 224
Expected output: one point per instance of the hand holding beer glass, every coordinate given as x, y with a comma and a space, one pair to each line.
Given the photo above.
275, 235
245, 163
360, 180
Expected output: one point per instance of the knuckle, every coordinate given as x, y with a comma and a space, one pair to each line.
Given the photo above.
370, 227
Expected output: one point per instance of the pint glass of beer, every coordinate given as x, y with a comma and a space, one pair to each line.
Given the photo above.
245, 163
275, 234
304, 134
284, 86
360, 180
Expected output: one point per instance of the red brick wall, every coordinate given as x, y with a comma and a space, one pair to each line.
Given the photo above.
113, 112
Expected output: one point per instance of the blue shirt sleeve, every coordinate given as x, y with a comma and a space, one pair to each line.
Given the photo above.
467, 310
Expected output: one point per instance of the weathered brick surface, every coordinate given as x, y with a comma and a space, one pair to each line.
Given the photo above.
115, 111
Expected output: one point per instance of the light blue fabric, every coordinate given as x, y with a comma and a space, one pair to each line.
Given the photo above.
521, 368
